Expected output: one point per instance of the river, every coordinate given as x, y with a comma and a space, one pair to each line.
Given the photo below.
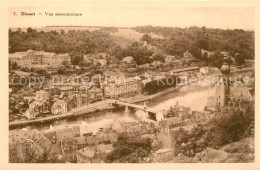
191, 96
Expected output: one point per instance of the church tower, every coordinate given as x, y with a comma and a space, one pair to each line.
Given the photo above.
222, 88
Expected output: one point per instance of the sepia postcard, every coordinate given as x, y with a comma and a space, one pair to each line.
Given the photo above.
129, 84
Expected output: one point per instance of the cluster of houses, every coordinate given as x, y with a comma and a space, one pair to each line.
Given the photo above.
79, 142
89, 147
175, 118
179, 116
62, 98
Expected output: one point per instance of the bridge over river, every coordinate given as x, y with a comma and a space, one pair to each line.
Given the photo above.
149, 111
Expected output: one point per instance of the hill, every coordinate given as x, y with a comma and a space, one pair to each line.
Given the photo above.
178, 40
235, 152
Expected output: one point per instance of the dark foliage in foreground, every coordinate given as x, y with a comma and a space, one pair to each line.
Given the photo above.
224, 129
129, 150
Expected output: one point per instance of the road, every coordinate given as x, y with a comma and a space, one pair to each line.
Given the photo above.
75, 112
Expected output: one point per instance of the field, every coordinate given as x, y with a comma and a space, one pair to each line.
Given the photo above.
131, 34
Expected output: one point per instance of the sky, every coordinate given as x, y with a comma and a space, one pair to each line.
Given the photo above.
136, 14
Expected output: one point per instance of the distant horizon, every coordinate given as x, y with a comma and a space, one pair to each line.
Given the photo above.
126, 27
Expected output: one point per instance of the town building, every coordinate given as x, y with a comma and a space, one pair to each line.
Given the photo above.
42, 95
73, 101
225, 54
81, 142
61, 132
170, 59
123, 88
163, 154
104, 149
37, 140
36, 108
241, 92
169, 123
87, 155
67, 132
187, 54
102, 62
128, 62
95, 94
93, 154
207, 53
59, 107
156, 63
30, 58
69, 148
178, 111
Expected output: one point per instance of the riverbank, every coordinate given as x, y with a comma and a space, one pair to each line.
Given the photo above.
86, 109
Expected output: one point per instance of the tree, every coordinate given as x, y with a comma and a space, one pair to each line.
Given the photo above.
62, 32
147, 38
14, 65
217, 59
60, 42
130, 150
240, 60
76, 58
196, 52
159, 57
29, 30
202, 43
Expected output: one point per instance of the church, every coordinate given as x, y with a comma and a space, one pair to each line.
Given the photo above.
229, 94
